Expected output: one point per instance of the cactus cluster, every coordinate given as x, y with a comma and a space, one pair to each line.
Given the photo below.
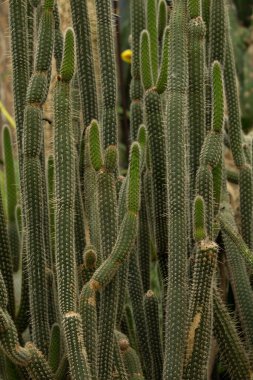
126, 274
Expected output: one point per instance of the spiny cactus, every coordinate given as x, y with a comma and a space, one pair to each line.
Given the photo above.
126, 273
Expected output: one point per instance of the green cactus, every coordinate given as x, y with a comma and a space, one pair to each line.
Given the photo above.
137, 17
6, 262
108, 72
33, 179
86, 72
89, 325
20, 62
200, 305
217, 32
197, 103
152, 314
233, 355
96, 233
11, 191
175, 339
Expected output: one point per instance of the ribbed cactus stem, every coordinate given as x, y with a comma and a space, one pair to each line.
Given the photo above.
77, 356
211, 153
145, 60
162, 79
130, 359
194, 7
199, 219
176, 308
33, 179
86, 71
246, 206
58, 38
232, 352
162, 18
152, 28
200, 310
38, 367
95, 150
239, 280
54, 353
236, 238
65, 182
88, 313
65, 208
197, 101
233, 102
217, 31
6, 267
20, 63
108, 72
11, 191
151, 306
137, 18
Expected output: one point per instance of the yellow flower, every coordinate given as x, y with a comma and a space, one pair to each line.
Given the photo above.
126, 55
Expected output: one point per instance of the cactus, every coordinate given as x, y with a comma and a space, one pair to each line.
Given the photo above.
118, 279
11, 191
175, 338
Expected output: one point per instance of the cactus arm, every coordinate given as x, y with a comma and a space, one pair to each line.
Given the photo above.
79, 207
130, 358
145, 60
89, 325
156, 132
109, 297
6, 260
201, 296
20, 63
242, 248
33, 181
108, 72
123, 271
152, 315
107, 208
30, 35
77, 356
136, 296
246, 205
119, 368
23, 315
64, 180
211, 153
137, 25
233, 103
143, 245
217, 32
239, 280
197, 101
54, 353
86, 72
232, 352
162, 79
58, 38
162, 18
152, 28
176, 308
90, 200
50, 189
65, 183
